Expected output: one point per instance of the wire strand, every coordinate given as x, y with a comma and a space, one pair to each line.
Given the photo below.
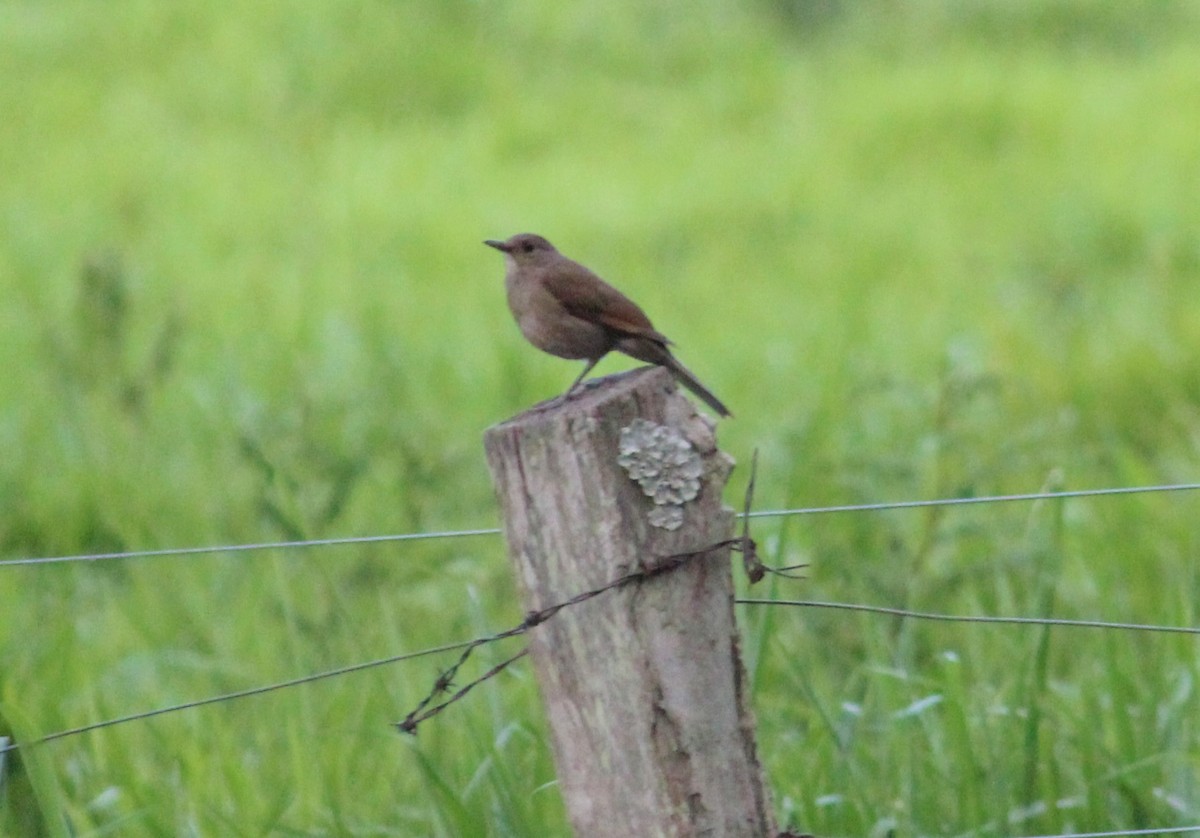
1028, 496
357, 667
424, 536
246, 693
262, 545
967, 618
1170, 830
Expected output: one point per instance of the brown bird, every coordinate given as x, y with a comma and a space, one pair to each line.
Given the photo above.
568, 311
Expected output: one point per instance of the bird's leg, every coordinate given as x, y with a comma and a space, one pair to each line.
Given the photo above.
591, 363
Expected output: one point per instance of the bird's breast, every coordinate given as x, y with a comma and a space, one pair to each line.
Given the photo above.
550, 327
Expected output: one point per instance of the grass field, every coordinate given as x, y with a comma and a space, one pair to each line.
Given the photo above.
922, 250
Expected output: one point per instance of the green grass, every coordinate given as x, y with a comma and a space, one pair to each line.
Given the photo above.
922, 250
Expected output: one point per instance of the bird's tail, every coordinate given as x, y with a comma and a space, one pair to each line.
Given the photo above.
685, 377
655, 352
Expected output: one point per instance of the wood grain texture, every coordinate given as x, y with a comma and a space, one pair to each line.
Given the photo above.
643, 686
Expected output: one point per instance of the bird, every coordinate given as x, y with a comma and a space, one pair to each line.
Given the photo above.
566, 310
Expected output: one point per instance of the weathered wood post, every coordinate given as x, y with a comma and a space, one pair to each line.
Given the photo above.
643, 685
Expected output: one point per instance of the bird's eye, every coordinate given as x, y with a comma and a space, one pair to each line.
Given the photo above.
527, 247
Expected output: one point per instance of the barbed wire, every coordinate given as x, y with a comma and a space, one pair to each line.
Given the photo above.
754, 569
467, 533
444, 680
443, 683
660, 565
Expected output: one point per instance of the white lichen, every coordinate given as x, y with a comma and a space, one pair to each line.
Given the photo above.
666, 467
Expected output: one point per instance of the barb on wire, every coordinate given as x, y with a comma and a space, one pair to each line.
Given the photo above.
755, 569
968, 618
426, 709
442, 684
420, 714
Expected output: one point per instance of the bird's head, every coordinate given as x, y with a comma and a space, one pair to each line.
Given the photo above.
525, 248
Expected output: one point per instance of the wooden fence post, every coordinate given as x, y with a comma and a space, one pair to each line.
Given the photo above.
643, 685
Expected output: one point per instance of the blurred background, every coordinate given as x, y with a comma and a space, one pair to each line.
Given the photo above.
928, 249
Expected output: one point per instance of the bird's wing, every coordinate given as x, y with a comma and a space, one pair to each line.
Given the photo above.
586, 296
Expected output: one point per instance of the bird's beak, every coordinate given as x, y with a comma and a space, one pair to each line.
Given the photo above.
501, 246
